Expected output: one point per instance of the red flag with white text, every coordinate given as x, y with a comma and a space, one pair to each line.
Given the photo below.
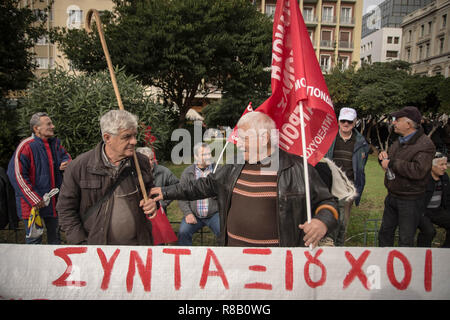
233, 136
296, 76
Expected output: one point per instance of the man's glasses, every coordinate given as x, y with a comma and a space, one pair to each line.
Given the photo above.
346, 121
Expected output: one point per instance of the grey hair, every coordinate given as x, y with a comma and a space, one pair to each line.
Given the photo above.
257, 121
146, 151
439, 156
414, 124
36, 119
199, 145
115, 120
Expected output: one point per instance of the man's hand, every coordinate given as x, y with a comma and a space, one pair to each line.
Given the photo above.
190, 218
40, 204
149, 207
63, 165
156, 194
314, 231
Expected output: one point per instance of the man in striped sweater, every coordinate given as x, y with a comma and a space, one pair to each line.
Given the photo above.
262, 199
34, 169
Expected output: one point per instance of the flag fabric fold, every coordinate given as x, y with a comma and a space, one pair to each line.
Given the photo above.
297, 80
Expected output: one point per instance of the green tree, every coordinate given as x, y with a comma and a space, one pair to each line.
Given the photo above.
183, 47
20, 29
76, 102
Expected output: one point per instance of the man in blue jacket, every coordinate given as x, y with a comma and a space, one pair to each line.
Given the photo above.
349, 151
34, 169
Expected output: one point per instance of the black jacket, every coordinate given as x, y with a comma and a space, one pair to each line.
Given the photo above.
291, 197
445, 202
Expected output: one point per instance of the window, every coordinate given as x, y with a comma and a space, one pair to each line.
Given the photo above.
344, 39
419, 53
396, 40
391, 54
75, 17
427, 50
327, 14
389, 40
429, 27
441, 45
409, 35
408, 54
308, 14
343, 62
346, 15
325, 62
326, 40
42, 41
444, 21
422, 30
270, 10
44, 63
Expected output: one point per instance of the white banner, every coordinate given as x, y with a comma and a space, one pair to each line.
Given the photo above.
220, 273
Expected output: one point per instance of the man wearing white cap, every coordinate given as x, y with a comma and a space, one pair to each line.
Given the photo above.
349, 151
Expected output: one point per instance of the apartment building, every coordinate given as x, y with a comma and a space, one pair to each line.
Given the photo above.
425, 41
381, 29
334, 27
64, 13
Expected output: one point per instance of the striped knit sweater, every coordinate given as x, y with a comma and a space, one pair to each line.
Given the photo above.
252, 218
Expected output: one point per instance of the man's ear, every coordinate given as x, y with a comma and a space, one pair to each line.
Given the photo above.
106, 137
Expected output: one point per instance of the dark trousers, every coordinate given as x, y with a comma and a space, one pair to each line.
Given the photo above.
440, 217
401, 213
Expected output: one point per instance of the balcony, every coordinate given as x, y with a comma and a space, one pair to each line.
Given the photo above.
347, 21
326, 44
345, 45
328, 20
310, 19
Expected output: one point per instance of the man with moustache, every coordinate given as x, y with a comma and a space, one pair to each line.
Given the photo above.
100, 200
407, 165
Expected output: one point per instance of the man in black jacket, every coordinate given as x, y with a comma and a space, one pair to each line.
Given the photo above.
437, 202
262, 200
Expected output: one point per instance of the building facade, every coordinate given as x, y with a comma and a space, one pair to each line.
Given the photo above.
425, 41
334, 27
381, 36
63, 13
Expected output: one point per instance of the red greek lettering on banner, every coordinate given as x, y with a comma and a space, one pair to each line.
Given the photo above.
356, 270
402, 285
207, 272
145, 271
258, 268
107, 266
63, 253
177, 271
316, 261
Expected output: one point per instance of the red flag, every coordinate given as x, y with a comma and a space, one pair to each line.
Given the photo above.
233, 136
162, 231
297, 77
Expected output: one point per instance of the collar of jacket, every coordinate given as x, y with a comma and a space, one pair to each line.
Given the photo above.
414, 138
98, 166
40, 140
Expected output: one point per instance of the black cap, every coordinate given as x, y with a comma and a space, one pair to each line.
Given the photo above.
410, 112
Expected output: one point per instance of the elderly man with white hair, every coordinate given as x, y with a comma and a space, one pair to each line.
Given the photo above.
262, 201
100, 200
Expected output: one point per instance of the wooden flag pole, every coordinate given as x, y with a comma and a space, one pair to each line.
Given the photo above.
94, 12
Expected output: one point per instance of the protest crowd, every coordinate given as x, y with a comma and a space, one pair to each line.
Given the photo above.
258, 202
